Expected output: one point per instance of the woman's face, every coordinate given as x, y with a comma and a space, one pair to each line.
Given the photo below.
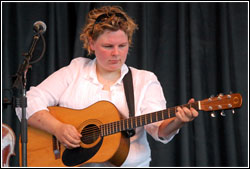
111, 49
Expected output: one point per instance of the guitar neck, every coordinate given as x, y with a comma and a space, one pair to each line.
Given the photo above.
138, 121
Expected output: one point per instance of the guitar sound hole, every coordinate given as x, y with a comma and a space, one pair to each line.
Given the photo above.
90, 134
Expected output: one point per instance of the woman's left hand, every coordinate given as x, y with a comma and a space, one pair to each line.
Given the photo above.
185, 114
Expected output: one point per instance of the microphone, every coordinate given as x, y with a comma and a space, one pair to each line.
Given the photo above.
39, 26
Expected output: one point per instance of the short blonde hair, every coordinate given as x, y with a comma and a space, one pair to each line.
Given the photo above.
107, 17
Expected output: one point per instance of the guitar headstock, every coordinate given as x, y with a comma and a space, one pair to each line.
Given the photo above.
221, 102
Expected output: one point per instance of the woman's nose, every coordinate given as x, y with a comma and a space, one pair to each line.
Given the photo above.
115, 51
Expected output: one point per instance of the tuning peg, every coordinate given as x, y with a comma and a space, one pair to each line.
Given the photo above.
222, 113
213, 114
210, 98
221, 94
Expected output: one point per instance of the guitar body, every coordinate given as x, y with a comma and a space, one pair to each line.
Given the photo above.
113, 148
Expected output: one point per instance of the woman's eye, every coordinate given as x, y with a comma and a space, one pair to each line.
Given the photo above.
108, 46
123, 45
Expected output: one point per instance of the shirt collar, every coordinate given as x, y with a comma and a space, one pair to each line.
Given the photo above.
90, 72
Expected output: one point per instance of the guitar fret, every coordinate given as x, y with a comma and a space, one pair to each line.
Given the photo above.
122, 125
133, 122
136, 122
130, 123
114, 126
147, 118
103, 130
143, 120
174, 110
150, 118
159, 114
111, 128
126, 124
139, 122
107, 129
117, 129
153, 117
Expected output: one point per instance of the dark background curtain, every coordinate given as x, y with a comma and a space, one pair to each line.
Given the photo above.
196, 50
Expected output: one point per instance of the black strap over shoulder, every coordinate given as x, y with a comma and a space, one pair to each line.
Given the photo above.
129, 92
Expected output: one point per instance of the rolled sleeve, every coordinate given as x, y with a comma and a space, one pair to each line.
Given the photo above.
154, 101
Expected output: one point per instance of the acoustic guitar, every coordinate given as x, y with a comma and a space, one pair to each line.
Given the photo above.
103, 132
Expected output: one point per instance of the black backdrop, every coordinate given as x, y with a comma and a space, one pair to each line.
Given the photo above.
195, 49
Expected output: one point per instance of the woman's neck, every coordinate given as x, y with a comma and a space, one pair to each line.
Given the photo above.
107, 78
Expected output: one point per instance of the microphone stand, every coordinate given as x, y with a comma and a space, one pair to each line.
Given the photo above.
19, 99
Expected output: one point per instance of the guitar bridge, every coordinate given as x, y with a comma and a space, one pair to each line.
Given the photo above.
56, 147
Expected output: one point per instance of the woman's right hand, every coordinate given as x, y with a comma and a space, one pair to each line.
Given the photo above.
68, 135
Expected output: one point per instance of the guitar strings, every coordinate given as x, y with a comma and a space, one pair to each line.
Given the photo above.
111, 128
119, 125
93, 132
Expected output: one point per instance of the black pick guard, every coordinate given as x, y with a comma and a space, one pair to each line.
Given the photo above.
76, 156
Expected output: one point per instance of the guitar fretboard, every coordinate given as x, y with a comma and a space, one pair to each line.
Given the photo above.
138, 121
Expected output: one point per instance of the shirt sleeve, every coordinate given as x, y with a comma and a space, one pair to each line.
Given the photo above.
154, 101
48, 92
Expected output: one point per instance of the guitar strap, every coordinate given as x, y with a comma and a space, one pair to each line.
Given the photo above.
129, 92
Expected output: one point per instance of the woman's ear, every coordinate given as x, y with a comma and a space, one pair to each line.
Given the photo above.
91, 43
